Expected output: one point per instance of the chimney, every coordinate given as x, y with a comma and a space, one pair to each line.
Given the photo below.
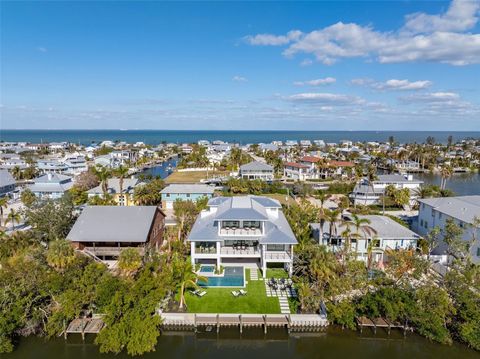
49, 176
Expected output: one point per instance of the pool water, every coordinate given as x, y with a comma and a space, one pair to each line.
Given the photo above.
207, 269
232, 277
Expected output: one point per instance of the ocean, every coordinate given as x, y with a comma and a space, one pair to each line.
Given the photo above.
154, 137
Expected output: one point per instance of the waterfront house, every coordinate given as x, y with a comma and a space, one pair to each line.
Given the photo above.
7, 184
370, 192
462, 210
123, 197
386, 235
296, 171
256, 170
245, 230
184, 192
102, 232
51, 166
51, 185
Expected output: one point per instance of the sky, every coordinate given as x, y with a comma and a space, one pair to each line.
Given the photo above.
343, 65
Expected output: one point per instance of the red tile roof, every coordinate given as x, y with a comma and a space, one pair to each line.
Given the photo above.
311, 159
293, 164
341, 163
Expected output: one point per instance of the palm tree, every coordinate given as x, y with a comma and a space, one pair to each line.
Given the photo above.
17, 173
103, 175
129, 261
13, 216
333, 218
3, 204
187, 278
121, 172
362, 227
446, 172
60, 254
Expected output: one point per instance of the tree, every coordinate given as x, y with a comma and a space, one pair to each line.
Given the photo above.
103, 175
446, 172
60, 254
149, 193
12, 217
185, 213
87, 180
456, 246
121, 172
51, 219
186, 277
3, 204
28, 197
129, 262
362, 227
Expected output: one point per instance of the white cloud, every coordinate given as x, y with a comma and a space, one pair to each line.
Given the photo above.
393, 84
239, 79
325, 98
432, 38
316, 82
433, 97
462, 15
42, 49
306, 62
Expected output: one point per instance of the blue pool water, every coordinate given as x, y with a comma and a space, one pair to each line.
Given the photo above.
232, 277
207, 269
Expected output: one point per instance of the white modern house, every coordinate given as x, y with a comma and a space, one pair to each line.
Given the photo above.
246, 230
462, 210
370, 192
296, 171
386, 234
51, 185
256, 170
7, 184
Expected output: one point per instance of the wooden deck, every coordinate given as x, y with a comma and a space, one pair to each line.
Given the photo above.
380, 323
293, 322
84, 326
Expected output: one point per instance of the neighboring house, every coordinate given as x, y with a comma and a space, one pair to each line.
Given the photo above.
257, 170
404, 165
51, 166
339, 168
387, 235
102, 232
51, 185
7, 184
184, 192
296, 171
249, 230
370, 192
124, 198
10, 163
462, 210
75, 165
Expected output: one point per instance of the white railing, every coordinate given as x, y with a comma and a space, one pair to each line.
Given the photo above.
240, 232
111, 251
250, 251
280, 255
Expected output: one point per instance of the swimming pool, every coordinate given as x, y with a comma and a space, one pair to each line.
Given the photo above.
207, 269
232, 277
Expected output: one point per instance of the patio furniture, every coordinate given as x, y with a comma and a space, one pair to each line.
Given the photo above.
235, 293
201, 293
243, 292
194, 292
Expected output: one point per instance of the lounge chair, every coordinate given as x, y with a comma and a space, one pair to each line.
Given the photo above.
235, 293
194, 292
201, 293
243, 292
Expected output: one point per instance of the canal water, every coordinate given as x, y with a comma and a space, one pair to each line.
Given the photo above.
334, 343
164, 169
463, 184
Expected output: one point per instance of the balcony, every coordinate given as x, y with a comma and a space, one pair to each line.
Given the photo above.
240, 252
111, 251
280, 256
240, 232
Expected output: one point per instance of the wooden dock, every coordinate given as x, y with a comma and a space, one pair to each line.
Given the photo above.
292, 322
380, 323
84, 326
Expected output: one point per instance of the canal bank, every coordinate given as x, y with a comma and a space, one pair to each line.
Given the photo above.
253, 343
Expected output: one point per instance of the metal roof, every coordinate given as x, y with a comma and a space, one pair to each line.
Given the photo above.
6, 179
256, 166
464, 208
113, 224
188, 188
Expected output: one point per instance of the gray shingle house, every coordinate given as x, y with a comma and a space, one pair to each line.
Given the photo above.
257, 170
249, 230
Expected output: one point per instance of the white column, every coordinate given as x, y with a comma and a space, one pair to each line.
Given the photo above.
218, 256
264, 261
192, 253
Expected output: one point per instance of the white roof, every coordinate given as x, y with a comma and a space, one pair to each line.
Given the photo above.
464, 208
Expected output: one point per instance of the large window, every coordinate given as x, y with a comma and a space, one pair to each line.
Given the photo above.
276, 247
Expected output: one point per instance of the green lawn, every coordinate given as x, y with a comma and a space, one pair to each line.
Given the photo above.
221, 300
192, 176
276, 273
